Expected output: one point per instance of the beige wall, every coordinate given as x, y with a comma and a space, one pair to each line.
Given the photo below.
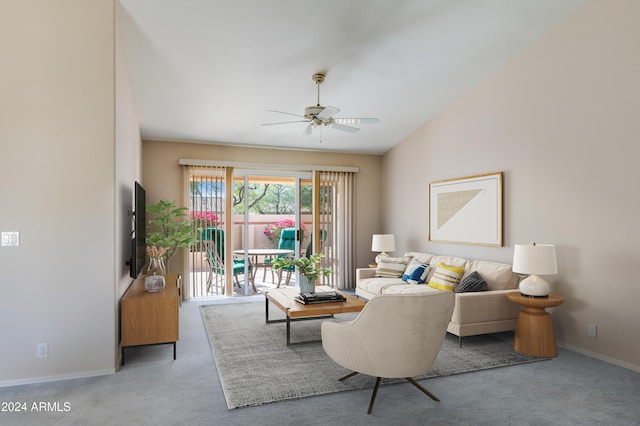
57, 184
128, 168
561, 122
163, 178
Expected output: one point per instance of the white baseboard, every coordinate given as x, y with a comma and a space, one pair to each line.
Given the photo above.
32, 380
614, 361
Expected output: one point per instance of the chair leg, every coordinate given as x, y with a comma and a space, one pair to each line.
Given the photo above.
353, 373
209, 281
377, 385
373, 397
422, 388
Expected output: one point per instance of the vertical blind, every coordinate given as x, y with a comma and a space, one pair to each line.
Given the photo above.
206, 201
337, 200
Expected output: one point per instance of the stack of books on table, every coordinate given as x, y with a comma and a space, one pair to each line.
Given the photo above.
320, 297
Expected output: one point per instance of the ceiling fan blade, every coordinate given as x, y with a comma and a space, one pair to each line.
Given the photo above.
288, 113
285, 122
327, 112
344, 128
356, 120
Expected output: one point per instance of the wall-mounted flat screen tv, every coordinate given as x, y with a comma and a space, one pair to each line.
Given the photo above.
139, 235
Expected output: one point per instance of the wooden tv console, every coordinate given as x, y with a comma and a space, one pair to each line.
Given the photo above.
150, 318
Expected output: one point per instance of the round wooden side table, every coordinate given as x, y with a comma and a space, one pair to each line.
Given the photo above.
534, 332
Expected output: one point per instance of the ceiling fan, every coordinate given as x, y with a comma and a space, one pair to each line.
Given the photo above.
318, 115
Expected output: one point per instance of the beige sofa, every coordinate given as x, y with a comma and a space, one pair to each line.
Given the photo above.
474, 313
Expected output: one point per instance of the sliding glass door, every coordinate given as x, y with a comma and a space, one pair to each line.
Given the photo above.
273, 216
241, 214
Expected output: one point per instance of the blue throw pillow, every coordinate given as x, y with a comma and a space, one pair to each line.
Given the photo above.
416, 272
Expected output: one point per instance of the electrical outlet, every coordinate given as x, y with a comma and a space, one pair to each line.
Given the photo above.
42, 350
592, 330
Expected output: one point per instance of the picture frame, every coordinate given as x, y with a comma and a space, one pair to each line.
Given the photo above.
467, 210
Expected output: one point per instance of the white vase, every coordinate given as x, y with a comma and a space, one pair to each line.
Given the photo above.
306, 285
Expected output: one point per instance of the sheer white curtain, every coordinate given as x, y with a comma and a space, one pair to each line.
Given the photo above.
206, 201
337, 201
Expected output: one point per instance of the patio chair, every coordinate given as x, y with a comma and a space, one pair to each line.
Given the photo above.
288, 242
213, 242
394, 336
309, 250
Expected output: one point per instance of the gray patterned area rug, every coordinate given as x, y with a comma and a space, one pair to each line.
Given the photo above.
256, 366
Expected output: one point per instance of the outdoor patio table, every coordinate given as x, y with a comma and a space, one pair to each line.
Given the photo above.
255, 253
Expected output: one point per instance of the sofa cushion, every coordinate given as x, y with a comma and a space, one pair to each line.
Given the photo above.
416, 272
498, 276
378, 285
408, 289
446, 277
392, 267
420, 257
472, 282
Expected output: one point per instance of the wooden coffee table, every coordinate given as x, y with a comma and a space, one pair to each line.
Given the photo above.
283, 298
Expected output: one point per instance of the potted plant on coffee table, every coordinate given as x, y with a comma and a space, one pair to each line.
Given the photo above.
308, 268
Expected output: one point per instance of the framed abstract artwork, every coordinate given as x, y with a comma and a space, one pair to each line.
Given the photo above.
467, 210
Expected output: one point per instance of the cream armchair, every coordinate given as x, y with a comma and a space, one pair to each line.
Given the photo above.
395, 336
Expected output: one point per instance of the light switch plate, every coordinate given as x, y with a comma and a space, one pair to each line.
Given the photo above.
10, 239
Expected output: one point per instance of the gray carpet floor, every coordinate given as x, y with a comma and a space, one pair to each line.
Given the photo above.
256, 366
152, 389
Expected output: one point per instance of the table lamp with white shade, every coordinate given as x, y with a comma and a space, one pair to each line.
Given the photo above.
534, 259
382, 243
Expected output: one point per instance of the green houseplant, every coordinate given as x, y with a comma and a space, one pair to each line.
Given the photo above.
308, 268
170, 229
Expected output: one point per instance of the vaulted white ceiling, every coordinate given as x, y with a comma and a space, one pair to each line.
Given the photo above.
208, 70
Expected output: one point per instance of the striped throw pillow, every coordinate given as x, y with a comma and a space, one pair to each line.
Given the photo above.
392, 267
446, 277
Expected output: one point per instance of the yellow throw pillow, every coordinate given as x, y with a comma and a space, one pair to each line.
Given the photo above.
446, 277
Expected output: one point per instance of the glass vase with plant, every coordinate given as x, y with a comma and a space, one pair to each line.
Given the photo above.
170, 228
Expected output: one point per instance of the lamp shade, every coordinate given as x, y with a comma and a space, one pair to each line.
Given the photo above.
538, 259
383, 243
534, 259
